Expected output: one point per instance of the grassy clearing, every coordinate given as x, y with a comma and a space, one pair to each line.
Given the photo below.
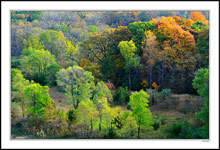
59, 99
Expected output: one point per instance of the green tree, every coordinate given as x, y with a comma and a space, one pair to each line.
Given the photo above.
87, 114
129, 128
104, 110
37, 99
38, 105
70, 53
93, 29
138, 29
34, 40
77, 83
128, 50
54, 42
107, 68
34, 64
140, 110
122, 95
102, 90
201, 83
51, 73
18, 84
96, 46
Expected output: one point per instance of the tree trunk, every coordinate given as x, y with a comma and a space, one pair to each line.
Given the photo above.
22, 109
139, 132
100, 123
91, 127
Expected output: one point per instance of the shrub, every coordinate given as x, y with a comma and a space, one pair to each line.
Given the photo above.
41, 134
36, 123
71, 116
14, 112
165, 93
156, 125
189, 132
154, 96
122, 95
111, 134
176, 129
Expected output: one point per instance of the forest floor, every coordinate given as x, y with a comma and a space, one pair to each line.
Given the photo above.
59, 99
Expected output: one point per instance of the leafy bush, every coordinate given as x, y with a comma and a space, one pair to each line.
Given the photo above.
183, 130
36, 123
154, 96
111, 134
71, 116
122, 95
165, 93
176, 129
156, 125
189, 132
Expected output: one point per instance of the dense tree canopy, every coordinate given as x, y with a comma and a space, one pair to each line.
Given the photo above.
112, 74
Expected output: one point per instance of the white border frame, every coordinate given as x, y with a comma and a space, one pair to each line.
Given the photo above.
214, 74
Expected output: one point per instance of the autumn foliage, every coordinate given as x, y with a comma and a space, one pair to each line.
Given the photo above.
155, 86
198, 16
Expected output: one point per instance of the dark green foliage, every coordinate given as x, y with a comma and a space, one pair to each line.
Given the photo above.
182, 130
156, 125
51, 73
138, 29
201, 83
176, 129
15, 63
202, 44
71, 116
121, 95
129, 106
42, 79
198, 25
111, 134
107, 68
189, 132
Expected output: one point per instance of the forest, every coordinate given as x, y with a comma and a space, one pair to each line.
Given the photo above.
109, 75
